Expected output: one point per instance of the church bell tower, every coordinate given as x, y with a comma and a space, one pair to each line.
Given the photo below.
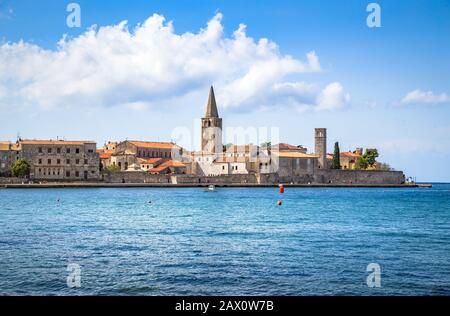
212, 127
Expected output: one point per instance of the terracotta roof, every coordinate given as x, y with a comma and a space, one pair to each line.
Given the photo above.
105, 155
168, 164
347, 154
350, 154
143, 144
55, 142
149, 160
5, 145
294, 155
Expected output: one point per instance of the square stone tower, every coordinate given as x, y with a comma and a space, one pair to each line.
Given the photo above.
212, 127
321, 146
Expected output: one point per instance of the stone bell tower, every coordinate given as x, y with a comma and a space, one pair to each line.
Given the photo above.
321, 146
212, 127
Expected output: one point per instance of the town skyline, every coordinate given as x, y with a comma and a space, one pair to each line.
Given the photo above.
377, 98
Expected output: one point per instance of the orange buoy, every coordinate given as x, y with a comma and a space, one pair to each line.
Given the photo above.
281, 189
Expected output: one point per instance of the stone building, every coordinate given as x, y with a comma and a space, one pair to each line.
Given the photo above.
347, 158
9, 154
289, 164
61, 160
129, 153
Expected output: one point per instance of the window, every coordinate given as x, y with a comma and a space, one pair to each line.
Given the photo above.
58, 161
68, 150
90, 151
85, 161
77, 151
49, 150
49, 161
67, 174
68, 161
40, 161
77, 174
58, 150
40, 150
77, 161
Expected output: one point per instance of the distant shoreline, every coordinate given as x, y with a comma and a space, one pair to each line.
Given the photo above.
159, 185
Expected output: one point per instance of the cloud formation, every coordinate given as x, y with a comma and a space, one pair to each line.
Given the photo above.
113, 66
424, 97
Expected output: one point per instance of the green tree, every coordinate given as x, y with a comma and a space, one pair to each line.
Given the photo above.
113, 168
371, 156
336, 157
361, 163
20, 169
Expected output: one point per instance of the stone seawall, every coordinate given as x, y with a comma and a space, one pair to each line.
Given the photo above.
359, 177
136, 177
320, 177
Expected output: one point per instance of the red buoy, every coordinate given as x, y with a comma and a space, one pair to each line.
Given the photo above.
281, 189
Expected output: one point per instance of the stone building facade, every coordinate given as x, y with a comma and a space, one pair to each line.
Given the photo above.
9, 154
61, 160
128, 153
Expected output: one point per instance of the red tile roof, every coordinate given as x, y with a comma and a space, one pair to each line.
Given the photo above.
55, 142
149, 160
349, 154
142, 144
167, 164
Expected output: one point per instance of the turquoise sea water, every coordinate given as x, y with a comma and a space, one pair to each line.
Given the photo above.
231, 242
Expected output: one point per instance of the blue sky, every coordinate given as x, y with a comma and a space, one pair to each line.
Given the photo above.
382, 87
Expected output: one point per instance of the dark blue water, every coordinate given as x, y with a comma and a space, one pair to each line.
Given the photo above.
232, 242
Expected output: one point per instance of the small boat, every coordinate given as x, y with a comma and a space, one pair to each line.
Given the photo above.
211, 188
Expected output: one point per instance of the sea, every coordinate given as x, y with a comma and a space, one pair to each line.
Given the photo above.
234, 241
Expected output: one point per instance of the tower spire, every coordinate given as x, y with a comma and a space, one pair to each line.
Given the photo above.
211, 107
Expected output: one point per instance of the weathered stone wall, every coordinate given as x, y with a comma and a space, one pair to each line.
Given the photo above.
347, 177
135, 177
358, 177
145, 177
8, 180
223, 180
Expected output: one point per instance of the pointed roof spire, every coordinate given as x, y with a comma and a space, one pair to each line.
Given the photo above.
211, 107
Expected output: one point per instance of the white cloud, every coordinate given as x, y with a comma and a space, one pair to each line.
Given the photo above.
333, 97
151, 64
424, 97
